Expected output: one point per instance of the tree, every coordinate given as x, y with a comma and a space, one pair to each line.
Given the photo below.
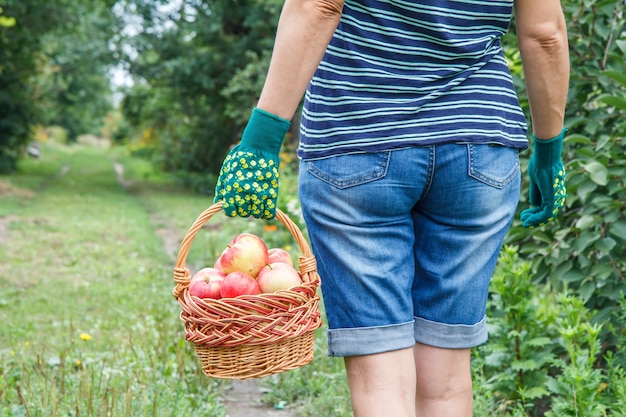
188, 66
27, 33
18, 50
73, 85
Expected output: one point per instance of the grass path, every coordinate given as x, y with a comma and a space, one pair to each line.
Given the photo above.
88, 323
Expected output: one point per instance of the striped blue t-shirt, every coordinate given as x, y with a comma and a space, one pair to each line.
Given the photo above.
401, 73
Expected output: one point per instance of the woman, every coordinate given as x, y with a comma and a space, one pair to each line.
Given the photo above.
409, 175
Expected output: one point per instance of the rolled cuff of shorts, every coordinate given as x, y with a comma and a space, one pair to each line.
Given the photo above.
450, 336
370, 340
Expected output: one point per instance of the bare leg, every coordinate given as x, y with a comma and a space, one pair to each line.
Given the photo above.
443, 382
382, 384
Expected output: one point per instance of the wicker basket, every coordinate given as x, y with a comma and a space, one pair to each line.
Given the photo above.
250, 336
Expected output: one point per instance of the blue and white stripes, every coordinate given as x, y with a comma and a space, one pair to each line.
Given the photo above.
401, 73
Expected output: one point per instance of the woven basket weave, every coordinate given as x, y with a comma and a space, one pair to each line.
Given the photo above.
250, 336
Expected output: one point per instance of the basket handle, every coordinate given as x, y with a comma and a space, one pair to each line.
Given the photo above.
307, 263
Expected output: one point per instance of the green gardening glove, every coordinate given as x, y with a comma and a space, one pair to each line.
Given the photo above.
248, 181
547, 182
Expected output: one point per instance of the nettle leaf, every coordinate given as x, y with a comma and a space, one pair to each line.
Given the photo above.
527, 365
496, 359
557, 386
539, 341
597, 172
535, 392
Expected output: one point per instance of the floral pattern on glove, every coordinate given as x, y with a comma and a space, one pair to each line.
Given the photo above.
560, 192
547, 203
248, 184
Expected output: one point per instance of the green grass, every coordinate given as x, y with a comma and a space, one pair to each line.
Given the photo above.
89, 323
318, 389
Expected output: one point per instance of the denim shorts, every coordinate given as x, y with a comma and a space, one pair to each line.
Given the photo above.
406, 242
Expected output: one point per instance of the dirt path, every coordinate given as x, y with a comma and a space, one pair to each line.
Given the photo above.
243, 399
4, 225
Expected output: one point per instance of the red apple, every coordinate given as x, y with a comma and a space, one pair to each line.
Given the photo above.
239, 283
278, 276
279, 255
245, 253
206, 283
207, 274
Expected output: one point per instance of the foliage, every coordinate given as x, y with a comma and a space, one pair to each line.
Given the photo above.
520, 320
585, 249
198, 70
17, 113
577, 389
544, 355
17, 57
73, 86
116, 128
33, 35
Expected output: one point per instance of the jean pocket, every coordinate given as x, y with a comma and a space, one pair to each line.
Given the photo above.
346, 171
496, 166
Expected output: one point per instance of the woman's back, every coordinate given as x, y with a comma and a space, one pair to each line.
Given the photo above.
401, 73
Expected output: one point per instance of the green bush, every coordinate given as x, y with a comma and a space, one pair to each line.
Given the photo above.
16, 113
585, 249
544, 356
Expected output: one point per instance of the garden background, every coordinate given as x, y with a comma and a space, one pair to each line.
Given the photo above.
114, 119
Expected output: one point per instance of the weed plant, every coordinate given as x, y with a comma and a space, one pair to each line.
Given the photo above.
544, 356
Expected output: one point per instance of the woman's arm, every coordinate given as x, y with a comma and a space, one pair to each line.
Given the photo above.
304, 31
542, 38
